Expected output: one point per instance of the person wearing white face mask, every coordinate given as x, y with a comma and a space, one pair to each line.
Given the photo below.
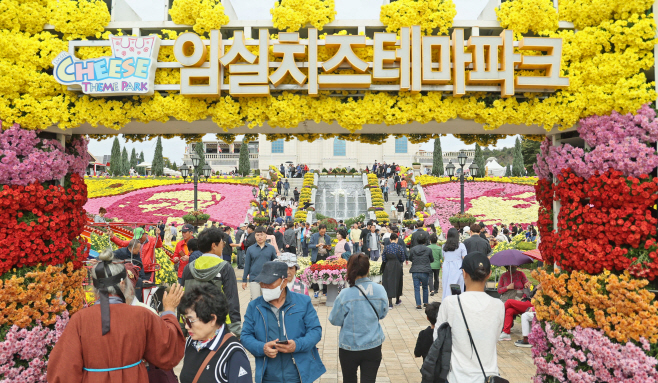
281, 330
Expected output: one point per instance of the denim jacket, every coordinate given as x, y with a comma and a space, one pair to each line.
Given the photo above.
356, 317
299, 322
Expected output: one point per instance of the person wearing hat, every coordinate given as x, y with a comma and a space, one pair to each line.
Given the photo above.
147, 252
294, 284
181, 255
485, 316
114, 336
281, 330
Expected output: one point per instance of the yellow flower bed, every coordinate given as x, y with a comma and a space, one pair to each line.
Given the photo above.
425, 180
620, 305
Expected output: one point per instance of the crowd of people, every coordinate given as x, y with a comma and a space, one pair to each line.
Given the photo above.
203, 325
291, 171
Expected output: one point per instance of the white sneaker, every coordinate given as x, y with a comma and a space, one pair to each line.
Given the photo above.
504, 336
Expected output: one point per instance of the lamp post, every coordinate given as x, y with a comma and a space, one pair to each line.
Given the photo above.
195, 163
450, 169
207, 170
462, 162
474, 170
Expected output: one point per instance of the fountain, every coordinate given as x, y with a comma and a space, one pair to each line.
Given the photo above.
349, 198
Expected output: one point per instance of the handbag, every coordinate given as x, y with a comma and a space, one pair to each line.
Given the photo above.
347, 254
371, 305
487, 379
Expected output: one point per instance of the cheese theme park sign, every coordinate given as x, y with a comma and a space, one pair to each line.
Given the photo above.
129, 71
408, 62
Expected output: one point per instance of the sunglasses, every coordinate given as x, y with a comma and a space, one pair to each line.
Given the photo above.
189, 322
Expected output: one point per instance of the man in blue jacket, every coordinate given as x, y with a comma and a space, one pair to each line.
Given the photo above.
319, 252
281, 330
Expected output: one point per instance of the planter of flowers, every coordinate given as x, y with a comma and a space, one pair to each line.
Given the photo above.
460, 220
196, 218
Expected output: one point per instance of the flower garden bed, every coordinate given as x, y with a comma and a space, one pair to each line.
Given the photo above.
490, 202
224, 202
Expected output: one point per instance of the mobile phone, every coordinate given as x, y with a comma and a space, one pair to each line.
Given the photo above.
281, 342
455, 289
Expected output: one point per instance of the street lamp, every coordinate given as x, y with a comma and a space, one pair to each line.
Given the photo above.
474, 169
195, 163
184, 171
450, 170
207, 170
462, 161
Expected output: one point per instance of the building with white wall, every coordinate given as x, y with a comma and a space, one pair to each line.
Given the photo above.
318, 154
335, 152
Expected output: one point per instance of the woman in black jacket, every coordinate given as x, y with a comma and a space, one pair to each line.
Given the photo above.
393, 256
421, 259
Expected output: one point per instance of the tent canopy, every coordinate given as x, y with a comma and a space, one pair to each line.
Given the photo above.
494, 168
143, 165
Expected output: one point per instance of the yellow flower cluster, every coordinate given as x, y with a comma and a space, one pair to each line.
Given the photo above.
430, 15
425, 180
203, 15
618, 304
587, 13
528, 15
294, 14
23, 15
78, 19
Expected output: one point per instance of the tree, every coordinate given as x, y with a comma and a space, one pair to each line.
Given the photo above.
479, 160
508, 172
167, 163
157, 167
133, 160
174, 166
517, 165
530, 149
437, 160
243, 165
125, 162
141, 157
115, 158
198, 148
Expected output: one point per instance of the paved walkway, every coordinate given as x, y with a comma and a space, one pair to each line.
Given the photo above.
401, 327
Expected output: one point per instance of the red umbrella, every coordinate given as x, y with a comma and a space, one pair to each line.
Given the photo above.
534, 254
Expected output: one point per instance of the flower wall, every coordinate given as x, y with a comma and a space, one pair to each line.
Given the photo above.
42, 195
596, 316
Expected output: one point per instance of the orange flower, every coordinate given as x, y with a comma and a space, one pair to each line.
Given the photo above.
620, 305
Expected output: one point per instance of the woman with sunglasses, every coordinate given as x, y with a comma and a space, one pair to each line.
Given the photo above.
212, 353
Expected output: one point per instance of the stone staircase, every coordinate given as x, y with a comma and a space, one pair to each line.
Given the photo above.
393, 197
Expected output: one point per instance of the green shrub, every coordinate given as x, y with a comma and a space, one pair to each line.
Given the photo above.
525, 246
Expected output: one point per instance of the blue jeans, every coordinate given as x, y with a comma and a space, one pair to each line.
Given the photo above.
374, 255
421, 279
356, 249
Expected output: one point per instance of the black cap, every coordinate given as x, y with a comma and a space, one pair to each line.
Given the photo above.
187, 227
272, 271
475, 260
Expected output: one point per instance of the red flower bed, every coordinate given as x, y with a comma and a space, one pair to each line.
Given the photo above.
604, 222
40, 224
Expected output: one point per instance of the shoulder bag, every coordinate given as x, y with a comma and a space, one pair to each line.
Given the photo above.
487, 379
210, 355
371, 305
